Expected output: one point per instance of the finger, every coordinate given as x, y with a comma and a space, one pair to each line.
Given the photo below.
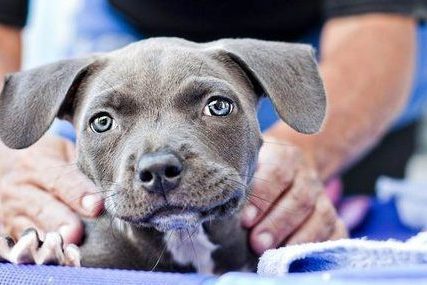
340, 231
20, 224
51, 251
290, 211
269, 182
69, 185
14, 220
263, 196
319, 226
32, 207
72, 255
70, 153
333, 189
25, 248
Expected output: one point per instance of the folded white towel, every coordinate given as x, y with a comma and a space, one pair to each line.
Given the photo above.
410, 198
343, 254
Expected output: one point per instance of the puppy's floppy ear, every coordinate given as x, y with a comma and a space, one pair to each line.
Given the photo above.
31, 99
288, 74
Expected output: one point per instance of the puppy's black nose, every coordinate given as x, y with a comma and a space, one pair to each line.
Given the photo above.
159, 172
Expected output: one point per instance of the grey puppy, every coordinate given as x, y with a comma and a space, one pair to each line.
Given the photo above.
167, 130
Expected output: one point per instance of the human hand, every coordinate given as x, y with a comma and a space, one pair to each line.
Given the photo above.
41, 187
288, 204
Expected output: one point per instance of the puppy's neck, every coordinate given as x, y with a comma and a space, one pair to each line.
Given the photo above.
215, 247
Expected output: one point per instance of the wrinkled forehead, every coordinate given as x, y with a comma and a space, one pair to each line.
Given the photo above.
162, 66
133, 81
148, 75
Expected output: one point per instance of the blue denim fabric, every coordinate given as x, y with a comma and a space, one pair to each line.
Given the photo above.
101, 28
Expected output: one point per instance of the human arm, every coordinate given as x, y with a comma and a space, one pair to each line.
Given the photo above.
367, 64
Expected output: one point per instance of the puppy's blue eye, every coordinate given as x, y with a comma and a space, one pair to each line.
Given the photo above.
101, 123
218, 106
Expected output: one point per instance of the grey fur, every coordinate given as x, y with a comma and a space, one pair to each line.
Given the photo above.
156, 90
30, 100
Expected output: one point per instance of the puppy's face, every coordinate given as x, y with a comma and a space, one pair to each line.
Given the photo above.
171, 135
167, 128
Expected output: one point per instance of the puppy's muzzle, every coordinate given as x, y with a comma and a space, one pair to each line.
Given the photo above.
159, 172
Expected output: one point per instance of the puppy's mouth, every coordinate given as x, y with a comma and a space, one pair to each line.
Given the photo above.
175, 217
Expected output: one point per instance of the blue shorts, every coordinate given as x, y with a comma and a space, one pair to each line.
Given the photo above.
101, 28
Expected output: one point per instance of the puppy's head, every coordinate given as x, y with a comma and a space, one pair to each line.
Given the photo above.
166, 127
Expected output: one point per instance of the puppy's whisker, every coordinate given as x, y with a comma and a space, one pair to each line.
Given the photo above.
190, 235
162, 252
252, 194
258, 178
238, 184
111, 221
268, 163
93, 193
250, 177
279, 143
88, 194
112, 228
263, 211
112, 195
194, 249
260, 198
260, 209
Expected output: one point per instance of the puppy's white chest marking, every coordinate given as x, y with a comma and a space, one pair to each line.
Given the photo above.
191, 247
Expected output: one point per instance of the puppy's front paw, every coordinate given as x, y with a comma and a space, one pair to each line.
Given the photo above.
29, 249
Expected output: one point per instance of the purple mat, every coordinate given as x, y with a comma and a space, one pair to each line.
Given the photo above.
32, 274
28, 274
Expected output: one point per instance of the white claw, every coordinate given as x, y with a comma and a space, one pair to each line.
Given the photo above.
5, 246
51, 251
72, 255
29, 250
25, 249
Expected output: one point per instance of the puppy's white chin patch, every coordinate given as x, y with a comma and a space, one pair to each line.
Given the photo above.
170, 222
191, 248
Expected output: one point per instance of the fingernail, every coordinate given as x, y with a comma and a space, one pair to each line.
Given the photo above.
65, 232
71, 233
264, 241
249, 215
90, 203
